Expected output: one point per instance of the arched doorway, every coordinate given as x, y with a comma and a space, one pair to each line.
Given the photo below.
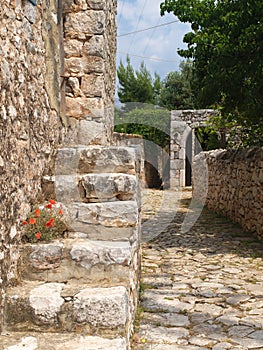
185, 126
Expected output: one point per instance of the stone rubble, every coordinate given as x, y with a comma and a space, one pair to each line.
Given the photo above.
200, 289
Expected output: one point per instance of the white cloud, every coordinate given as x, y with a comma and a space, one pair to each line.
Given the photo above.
161, 42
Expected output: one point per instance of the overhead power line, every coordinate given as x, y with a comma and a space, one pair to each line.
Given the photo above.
150, 38
138, 22
146, 57
145, 29
120, 13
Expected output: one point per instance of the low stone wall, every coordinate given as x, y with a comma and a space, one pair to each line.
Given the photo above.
231, 182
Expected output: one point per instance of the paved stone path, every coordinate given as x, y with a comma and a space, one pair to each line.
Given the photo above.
202, 289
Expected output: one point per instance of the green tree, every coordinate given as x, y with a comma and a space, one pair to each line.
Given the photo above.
153, 123
176, 91
226, 45
137, 85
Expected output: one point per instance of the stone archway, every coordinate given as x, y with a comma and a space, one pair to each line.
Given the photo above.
183, 146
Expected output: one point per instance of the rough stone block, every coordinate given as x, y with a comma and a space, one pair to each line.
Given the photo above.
93, 85
67, 160
86, 22
101, 307
77, 107
80, 260
90, 253
103, 233
72, 6
107, 187
66, 307
96, 4
79, 66
94, 46
46, 302
109, 214
83, 107
33, 303
73, 48
107, 160
42, 256
91, 132
66, 188
95, 159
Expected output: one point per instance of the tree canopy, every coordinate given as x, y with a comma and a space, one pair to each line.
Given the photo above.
147, 120
226, 45
137, 85
173, 92
176, 91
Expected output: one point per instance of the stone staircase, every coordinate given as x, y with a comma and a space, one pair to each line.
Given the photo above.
81, 292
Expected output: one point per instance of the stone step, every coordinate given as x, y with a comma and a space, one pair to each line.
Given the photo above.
58, 341
105, 221
97, 159
92, 188
67, 307
99, 263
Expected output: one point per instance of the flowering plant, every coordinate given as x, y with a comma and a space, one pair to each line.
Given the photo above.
44, 223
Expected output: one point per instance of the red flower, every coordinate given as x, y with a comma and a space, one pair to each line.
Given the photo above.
61, 211
24, 222
32, 221
51, 201
37, 213
38, 235
49, 206
50, 223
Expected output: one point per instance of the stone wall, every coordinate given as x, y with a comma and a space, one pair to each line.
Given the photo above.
30, 125
90, 46
41, 67
231, 182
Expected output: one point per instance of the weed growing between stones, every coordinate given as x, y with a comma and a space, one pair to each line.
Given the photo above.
44, 223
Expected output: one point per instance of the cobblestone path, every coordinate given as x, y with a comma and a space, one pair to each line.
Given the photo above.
202, 289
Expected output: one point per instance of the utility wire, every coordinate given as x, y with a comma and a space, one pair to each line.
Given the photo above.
145, 29
120, 14
139, 20
150, 38
146, 57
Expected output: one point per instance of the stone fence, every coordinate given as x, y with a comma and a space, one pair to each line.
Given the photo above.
231, 182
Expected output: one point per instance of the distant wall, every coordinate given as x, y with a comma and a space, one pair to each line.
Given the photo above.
231, 182
30, 126
90, 73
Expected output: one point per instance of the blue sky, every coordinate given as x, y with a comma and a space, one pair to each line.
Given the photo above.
158, 45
